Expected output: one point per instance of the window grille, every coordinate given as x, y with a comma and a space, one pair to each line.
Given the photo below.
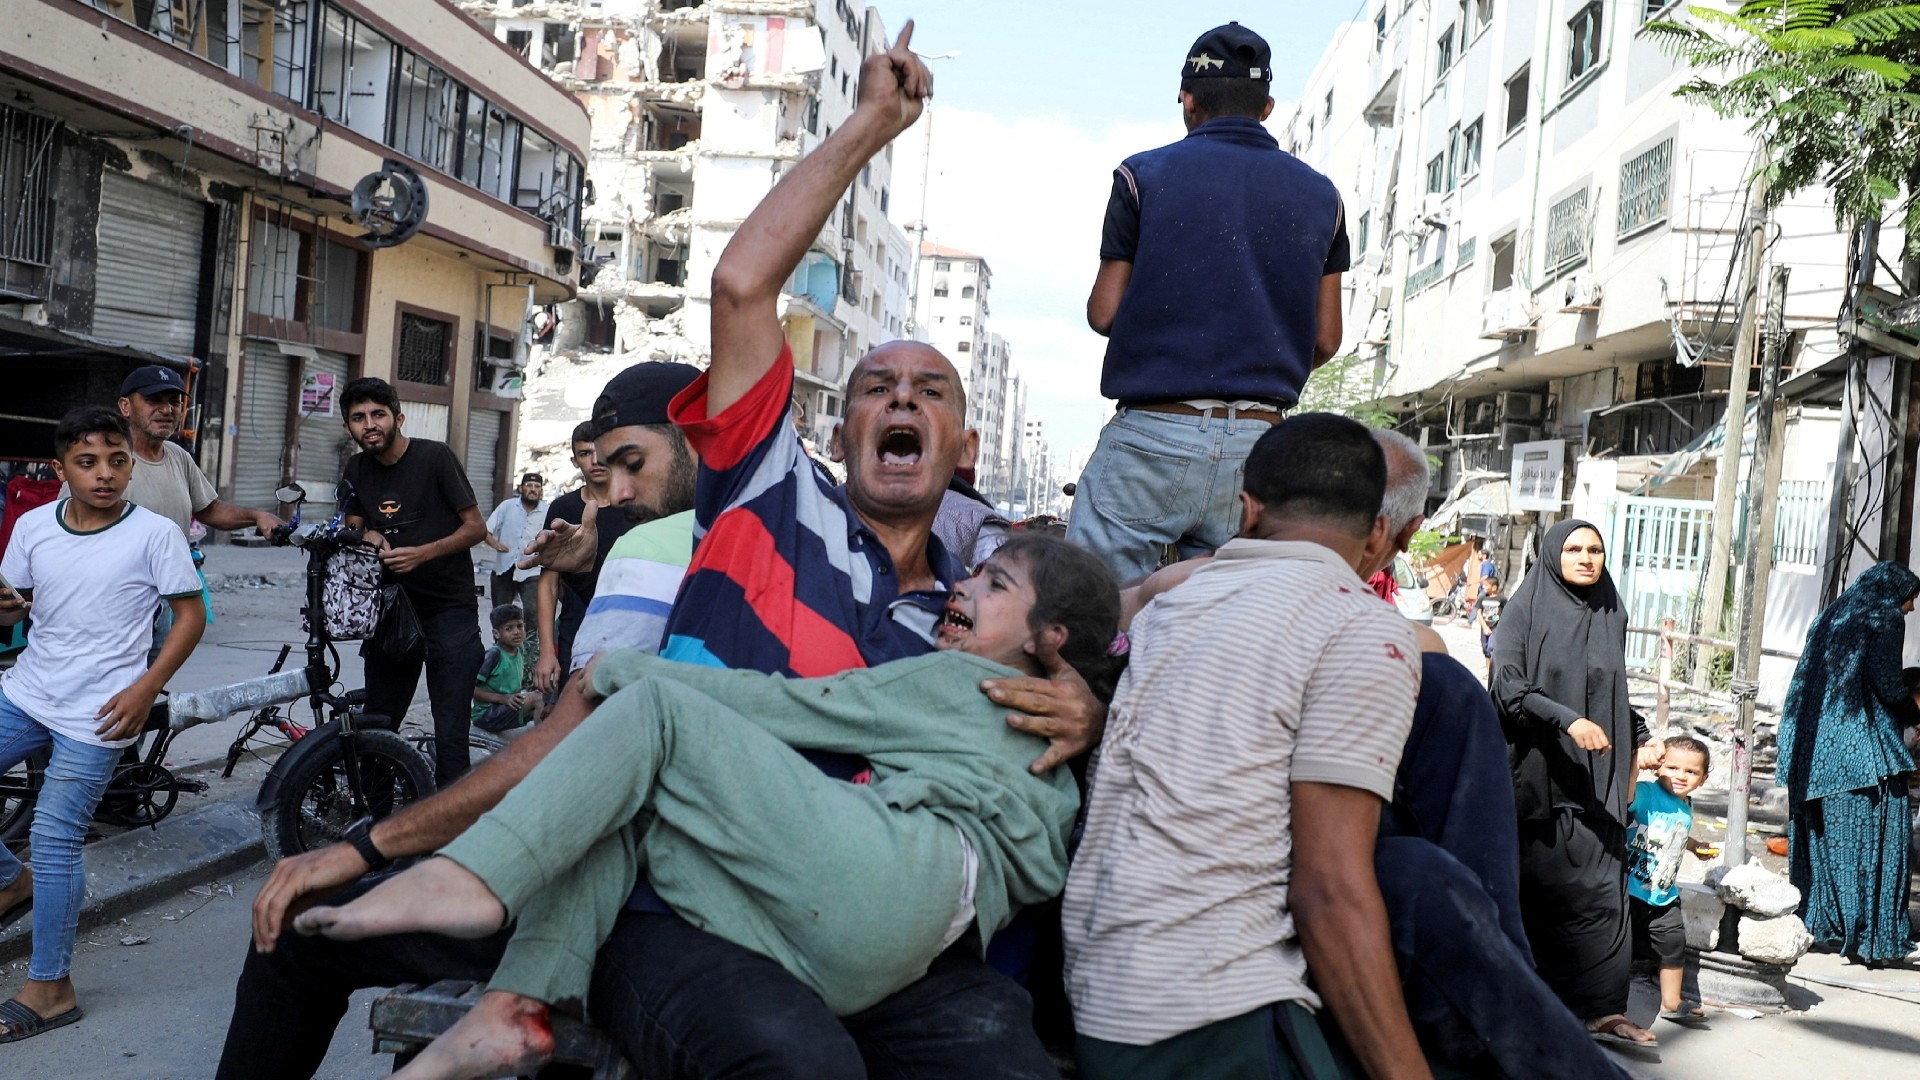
27, 151
423, 350
1644, 188
1567, 232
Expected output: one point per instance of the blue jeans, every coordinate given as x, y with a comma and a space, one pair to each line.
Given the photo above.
77, 776
1156, 479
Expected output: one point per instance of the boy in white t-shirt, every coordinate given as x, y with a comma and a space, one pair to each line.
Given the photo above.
91, 568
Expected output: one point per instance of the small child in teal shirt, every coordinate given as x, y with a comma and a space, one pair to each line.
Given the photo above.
1662, 830
500, 702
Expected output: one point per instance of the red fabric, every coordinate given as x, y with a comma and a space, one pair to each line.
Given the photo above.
23, 494
722, 442
1384, 586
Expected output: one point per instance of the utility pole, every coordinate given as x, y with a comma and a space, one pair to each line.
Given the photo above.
1840, 543
1770, 423
1714, 591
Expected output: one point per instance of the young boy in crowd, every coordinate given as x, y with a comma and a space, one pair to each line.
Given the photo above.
1662, 829
1486, 617
91, 568
499, 701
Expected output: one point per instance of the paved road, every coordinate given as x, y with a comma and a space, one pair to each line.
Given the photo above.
158, 1010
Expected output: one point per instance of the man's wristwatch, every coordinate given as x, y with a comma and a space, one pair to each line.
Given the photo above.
360, 835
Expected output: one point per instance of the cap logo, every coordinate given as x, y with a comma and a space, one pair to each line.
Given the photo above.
1203, 62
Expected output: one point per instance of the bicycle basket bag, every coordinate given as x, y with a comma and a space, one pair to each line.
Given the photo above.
351, 599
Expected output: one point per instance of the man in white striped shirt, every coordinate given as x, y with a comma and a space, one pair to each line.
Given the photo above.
1249, 750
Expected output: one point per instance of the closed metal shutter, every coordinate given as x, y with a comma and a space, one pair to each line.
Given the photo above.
266, 383
483, 447
324, 445
147, 286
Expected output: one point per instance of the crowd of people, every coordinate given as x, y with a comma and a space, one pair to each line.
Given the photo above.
844, 779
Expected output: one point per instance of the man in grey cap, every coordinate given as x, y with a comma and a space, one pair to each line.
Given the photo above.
166, 479
1219, 293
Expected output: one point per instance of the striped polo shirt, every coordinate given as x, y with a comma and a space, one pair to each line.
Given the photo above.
1272, 664
785, 578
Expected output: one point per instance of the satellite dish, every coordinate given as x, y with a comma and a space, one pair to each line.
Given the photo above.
390, 204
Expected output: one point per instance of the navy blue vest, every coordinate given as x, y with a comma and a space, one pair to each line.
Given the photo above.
1235, 235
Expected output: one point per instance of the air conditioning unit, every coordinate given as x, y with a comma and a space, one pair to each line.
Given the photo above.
1432, 211
1379, 329
1507, 313
1518, 408
1514, 434
1583, 293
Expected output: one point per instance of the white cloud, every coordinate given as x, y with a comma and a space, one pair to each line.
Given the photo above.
1028, 194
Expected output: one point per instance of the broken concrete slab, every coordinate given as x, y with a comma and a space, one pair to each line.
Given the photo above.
1780, 940
1701, 911
1756, 890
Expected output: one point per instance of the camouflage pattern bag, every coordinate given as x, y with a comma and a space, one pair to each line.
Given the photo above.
351, 597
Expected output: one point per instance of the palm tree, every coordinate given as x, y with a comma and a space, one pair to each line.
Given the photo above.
1829, 88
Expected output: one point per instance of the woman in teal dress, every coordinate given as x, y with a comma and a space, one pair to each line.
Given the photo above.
1846, 769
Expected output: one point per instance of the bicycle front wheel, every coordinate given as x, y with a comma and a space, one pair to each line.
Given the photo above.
317, 803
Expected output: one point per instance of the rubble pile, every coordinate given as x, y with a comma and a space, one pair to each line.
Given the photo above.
1768, 931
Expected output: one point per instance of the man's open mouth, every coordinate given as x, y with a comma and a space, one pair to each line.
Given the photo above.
899, 446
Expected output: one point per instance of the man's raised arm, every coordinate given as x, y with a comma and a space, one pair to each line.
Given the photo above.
894, 86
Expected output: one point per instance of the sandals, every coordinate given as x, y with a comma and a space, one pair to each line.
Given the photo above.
23, 1023
1685, 1017
1608, 1030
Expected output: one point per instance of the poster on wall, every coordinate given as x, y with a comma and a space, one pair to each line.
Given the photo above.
1539, 474
316, 394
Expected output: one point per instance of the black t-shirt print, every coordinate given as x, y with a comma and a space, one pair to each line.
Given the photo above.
416, 501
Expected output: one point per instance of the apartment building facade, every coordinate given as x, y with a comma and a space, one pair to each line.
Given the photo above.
697, 109
953, 314
1546, 254
177, 189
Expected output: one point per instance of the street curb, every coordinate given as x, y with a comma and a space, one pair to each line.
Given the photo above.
230, 582
128, 872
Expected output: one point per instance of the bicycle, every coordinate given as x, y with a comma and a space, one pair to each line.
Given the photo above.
349, 763
141, 792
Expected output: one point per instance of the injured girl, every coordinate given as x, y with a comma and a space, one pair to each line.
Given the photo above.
854, 889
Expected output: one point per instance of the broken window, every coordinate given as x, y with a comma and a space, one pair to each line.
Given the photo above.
1436, 173
1517, 100
557, 45
1470, 140
425, 112
355, 68
966, 292
521, 41
274, 46
1502, 251
1583, 42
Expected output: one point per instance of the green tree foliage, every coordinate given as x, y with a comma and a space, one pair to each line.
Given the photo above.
1344, 385
1829, 88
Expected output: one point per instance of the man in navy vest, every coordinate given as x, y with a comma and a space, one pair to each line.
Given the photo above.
1219, 293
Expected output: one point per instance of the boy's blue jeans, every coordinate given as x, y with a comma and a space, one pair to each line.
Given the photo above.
1161, 478
77, 776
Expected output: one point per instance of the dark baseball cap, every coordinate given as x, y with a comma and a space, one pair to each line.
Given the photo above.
153, 379
640, 394
1229, 52
532, 478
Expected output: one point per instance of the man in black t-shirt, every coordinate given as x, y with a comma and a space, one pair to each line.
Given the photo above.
413, 499
570, 592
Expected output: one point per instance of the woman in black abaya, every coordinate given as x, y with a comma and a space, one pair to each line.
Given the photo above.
1560, 681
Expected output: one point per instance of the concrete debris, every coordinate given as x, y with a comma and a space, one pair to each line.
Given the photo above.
1755, 890
1701, 911
135, 939
1780, 940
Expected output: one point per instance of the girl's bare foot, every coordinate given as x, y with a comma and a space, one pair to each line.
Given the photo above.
502, 1035
439, 896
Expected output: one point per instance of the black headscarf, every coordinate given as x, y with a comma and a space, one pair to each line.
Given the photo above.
1560, 655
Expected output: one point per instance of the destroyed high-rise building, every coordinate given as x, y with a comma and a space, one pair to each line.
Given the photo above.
697, 109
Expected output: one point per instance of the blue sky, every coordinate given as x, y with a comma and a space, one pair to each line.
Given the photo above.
1045, 98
